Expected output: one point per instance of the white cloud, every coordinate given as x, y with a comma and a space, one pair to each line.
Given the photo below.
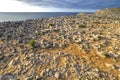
17, 6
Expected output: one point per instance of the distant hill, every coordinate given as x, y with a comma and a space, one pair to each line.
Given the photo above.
109, 12
114, 9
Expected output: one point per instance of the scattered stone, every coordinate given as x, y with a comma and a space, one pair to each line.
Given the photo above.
51, 72
43, 73
14, 62
8, 76
40, 78
108, 65
29, 78
101, 54
94, 74
57, 75
117, 67
46, 44
1, 56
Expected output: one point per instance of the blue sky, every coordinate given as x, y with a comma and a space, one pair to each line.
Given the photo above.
56, 5
76, 4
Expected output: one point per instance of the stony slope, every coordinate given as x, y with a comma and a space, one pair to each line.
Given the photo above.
81, 47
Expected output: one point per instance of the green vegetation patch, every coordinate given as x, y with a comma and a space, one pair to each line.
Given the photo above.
50, 24
82, 26
107, 55
31, 43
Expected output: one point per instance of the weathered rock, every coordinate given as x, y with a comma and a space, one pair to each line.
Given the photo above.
29, 78
1, 56
46, 44
44, 73
117, 67
58, 75
8, 76
51, 72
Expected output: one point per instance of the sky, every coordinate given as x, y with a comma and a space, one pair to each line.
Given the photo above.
56, 5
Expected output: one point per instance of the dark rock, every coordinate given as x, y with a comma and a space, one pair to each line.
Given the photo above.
1, 56
8, 76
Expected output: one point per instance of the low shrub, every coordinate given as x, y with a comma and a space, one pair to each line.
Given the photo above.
31, 43
81, 26
107, 55
50, 24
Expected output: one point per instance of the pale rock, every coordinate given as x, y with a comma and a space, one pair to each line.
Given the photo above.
57, 75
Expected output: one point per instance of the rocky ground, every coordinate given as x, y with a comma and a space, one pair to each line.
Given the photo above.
81, 47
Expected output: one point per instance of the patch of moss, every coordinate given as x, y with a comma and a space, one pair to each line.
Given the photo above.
81, 26
50, 24
31, 43
107, 55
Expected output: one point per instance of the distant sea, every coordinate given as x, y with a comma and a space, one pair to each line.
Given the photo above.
18, 16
